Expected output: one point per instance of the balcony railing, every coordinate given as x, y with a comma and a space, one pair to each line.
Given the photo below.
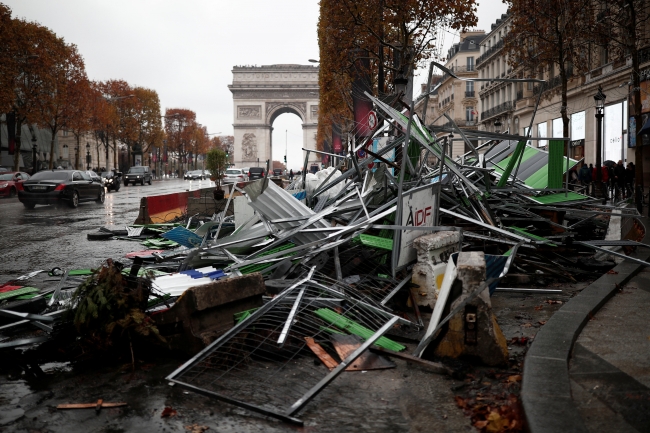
520, 95
469, 93
493, 49
501, 108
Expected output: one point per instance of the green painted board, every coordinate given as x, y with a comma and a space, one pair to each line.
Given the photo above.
356, 329
376, 242
531, 236
512, 160
80, 272
18, 292
560, 197
556, 164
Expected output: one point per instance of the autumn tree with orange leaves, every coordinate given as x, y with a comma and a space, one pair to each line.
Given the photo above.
33, 57
180, 125
398, 35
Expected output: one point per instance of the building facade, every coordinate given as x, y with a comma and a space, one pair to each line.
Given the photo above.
455, 98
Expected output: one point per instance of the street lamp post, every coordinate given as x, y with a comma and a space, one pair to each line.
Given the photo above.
600, 105
88, 157
33, 154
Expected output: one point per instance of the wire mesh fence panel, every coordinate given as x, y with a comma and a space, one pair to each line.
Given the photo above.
265, 361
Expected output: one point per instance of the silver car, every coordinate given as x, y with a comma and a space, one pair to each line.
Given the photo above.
235, 175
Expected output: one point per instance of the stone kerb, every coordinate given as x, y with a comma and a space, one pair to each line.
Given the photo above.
546, 391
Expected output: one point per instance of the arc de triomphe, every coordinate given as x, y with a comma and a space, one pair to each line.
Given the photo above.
262, 93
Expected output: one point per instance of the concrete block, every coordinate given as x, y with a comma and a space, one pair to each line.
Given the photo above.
473, 331
433, 251
203, 313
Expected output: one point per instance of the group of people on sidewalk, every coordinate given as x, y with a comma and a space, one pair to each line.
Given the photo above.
617, 181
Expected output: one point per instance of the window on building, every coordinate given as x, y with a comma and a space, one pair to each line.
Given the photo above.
558, 127
65, 133
578, 126
469, 113
469, 89
470, 64
526, 131
66, 153
542, 133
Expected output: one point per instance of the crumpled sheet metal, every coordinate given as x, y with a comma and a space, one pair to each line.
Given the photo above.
274, 203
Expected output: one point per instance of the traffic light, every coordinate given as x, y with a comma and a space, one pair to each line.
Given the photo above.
285, 159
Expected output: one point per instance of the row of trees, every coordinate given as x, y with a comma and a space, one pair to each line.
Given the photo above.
44, 82
397, 36
393, 36
573, 37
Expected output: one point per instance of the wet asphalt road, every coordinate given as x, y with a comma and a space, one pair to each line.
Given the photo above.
48, 237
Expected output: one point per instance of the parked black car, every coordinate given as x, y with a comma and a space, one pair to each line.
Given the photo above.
60, 186
277, 172
137, 174
255, 173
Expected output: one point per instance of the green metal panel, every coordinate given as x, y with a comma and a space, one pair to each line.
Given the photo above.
531, 236
356, 329
560, 197
556, 163
514, 159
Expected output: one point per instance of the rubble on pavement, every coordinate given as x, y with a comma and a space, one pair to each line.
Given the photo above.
287, 287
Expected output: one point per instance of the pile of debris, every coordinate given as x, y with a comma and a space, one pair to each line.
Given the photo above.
288, 287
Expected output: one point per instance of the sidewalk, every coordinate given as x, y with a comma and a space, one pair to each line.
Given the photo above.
588, 369
610, 367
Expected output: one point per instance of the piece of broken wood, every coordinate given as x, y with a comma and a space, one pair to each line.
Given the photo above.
97, 405
346, 344
321, 353
436, 367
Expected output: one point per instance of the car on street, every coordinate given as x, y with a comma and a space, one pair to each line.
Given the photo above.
3, 169
255, 173
9, 181
277, 172
194, 175
59, 186
235, 175
138, 174
95, 177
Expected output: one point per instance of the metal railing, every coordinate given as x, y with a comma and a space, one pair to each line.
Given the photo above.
501, 108
469, 93
493, 49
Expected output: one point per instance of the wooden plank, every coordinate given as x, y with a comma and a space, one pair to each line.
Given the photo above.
436, 367
321, 353
99, 403
346, 344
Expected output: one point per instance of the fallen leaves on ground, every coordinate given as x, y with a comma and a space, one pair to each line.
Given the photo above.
196, 428
502, 414
526, 325
514, 378
553, 301
612, 272
519, 341
168, 412
542, 322
539, 307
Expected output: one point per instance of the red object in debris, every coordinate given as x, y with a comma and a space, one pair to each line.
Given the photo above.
168, 412
4, 289
145, 253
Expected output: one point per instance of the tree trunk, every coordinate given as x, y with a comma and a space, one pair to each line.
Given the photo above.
51, 162
76, 156
19, 128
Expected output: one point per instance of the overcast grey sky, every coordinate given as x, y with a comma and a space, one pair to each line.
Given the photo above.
185, 50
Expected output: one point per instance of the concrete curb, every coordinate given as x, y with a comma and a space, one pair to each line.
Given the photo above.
545, 389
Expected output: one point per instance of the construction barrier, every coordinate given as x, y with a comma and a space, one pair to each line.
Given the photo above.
164, 208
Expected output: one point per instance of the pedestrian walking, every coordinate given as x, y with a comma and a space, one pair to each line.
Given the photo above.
629, 179
619, 180
291, 174
584, 176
